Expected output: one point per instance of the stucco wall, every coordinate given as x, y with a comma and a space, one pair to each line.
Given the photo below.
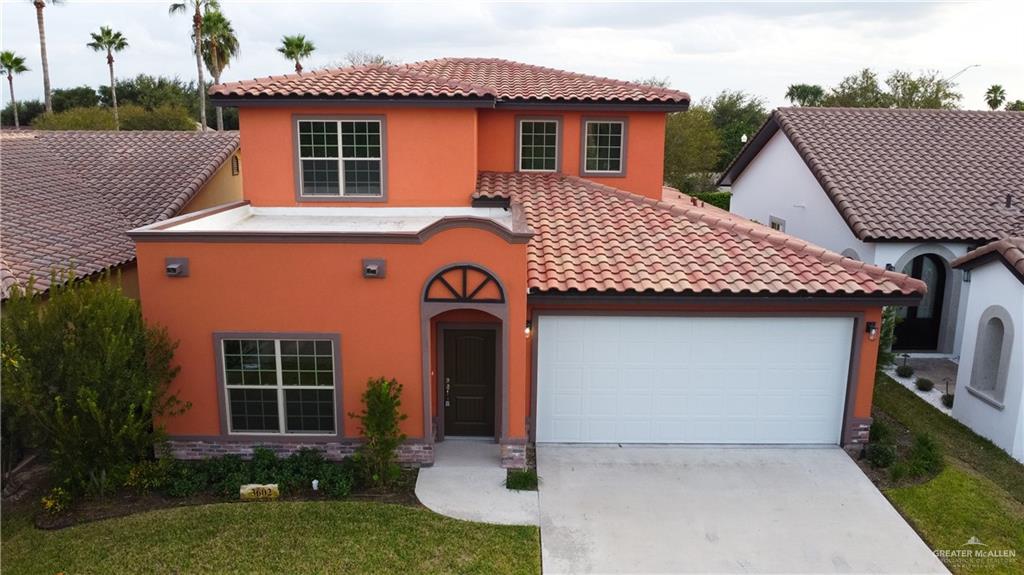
319, 288
223, 188
993, 284
430, 154
778, 183
645, 145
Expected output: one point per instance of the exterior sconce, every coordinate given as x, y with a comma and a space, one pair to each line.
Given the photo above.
176, 267
890, 268
529, 328
872, 330
374, 268
967, 276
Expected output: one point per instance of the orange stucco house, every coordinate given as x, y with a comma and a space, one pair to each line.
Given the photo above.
493, 236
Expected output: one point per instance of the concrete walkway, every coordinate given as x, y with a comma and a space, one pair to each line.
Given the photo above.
468, 482
641, 509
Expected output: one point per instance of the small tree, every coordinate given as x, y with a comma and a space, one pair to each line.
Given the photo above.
84, 376
379, 421
887, 338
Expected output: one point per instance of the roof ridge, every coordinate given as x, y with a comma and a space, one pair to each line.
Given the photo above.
399, 69
756, 231
826, 109
661, 91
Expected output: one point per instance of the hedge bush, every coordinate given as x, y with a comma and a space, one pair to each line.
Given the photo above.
163, 118
947, 400
880, 454
925, 384
904, 371
717, 199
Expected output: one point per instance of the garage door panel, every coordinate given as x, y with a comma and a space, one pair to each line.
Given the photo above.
691, 379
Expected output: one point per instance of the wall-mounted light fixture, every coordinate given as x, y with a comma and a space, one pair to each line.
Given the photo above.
176, 267
374, 268
529, 328
967, 276
890, 267
872, 330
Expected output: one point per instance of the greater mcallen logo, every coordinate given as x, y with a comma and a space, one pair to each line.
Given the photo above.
974, 548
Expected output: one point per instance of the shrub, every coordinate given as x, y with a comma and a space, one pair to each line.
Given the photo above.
880, 454
57, 501
899, 471
336, 479
166, 117
717, 199
879, 432
185, 479
886, 338
925, 456
225, 475
522, 479
149, 476
904, 371
947, 400
85, 375
76, 119
925, 384
380, 421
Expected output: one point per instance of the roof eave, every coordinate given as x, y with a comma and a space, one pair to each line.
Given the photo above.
346, 101
569, 297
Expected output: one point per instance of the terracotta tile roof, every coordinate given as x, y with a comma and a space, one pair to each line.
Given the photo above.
69, 197
1009, 250
909, 174
488, 79
594, 238
360, 81
514, 81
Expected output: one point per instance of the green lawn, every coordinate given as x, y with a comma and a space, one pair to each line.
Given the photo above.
979, 494
280, 537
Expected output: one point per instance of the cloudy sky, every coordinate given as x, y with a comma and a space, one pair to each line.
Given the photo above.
703, 48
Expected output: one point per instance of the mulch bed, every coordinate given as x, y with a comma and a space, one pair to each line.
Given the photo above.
903, 439
126, 503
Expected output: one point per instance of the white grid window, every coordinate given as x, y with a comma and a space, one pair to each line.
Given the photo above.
342, 158
279, 385
538, 145
603, 147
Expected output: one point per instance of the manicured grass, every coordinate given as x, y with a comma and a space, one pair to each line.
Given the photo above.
279, 537
958, 441
979, 494
959, 504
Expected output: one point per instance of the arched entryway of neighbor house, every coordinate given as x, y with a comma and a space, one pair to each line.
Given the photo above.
930, 325
464, 322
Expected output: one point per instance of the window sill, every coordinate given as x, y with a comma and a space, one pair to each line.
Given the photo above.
585, 174
986, 398
300, 198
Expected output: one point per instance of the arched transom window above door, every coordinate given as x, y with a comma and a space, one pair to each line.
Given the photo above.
464, 283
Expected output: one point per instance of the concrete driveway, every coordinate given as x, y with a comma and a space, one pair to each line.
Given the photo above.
613, 509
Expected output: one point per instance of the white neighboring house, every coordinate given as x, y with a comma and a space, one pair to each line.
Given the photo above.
910, 190
990, 382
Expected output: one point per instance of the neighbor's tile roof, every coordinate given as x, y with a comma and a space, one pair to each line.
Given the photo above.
1009, 250
69, 197
483, 78
594, 238
909, 174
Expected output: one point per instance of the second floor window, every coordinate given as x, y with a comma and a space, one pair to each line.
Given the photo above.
538, 145
603, 147
341, 158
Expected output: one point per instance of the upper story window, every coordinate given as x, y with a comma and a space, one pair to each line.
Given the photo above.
341, 159
539, 142
284, 385
604, 147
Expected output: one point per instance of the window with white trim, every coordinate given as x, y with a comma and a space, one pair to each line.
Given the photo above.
603, 147
280, 385
341, 158
538, 145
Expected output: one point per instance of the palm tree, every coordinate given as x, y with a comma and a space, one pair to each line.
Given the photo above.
197, 34
109, 41
219, 45
995, 96
11, 64
296, 48
40, 4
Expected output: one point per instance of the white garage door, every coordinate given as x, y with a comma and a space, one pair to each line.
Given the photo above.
632, 379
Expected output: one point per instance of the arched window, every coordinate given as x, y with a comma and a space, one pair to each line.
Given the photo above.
992, 354
464, 283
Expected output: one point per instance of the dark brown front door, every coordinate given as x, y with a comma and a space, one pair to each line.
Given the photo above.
919, 328
468, 382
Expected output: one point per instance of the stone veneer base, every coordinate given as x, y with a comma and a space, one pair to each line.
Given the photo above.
513, 455
410, 453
